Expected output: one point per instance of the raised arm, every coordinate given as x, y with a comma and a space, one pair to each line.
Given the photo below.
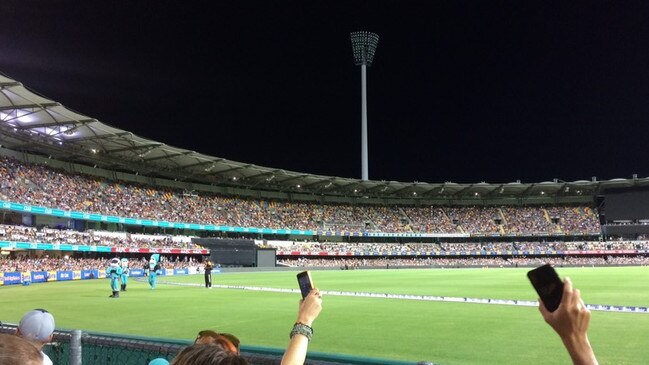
570, 321
302, 331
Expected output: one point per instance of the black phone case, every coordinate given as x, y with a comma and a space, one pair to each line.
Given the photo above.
548, 285
304, 282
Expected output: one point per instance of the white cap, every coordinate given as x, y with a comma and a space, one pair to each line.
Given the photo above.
37, 325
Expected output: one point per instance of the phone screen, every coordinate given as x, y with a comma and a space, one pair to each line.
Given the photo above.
548, 285
304, 281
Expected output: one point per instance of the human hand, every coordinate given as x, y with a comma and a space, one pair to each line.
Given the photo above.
571, 318
310, 307
570, 321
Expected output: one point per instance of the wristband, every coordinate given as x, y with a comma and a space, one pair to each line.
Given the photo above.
302, 329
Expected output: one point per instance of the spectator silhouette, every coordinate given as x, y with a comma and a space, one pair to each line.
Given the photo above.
37, 327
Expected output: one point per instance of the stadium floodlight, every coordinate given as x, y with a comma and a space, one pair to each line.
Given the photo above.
364, 46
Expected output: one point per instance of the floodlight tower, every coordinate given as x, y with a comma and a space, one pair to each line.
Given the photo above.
364, 46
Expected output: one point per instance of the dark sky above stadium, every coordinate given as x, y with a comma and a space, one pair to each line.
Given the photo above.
462, 91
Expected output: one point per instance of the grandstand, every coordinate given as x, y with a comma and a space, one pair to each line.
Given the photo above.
62, 170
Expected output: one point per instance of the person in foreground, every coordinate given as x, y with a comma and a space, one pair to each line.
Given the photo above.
37, 327
15, 350
209, 354
570, 321
212, 348
302, 332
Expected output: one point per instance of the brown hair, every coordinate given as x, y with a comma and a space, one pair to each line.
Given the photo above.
228, 341
213, 354
15, 350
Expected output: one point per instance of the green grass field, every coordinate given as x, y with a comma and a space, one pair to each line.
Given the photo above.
442, 332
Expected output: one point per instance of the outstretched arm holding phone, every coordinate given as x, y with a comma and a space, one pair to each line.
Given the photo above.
570, 321
309, 310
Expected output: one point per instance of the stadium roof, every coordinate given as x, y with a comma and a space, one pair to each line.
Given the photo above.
35, 124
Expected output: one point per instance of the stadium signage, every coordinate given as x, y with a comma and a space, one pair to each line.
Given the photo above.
39, 276
136, 272
159, 250
63, 275
12, 278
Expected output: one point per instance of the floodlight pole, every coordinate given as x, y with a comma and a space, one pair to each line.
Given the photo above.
364, 46
364, 148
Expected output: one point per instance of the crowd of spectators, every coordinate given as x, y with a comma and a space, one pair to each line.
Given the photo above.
347, 263
46, 263
477, 219
431, 219
526, 219
574, 220
333, 248
627, 260
608, 245
65, 263
44, 186
93, 238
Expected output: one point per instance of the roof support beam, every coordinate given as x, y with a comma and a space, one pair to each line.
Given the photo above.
9, 84
91, 138
206, 162
235, 168
29, 106
74, 124
168, 156
135, 148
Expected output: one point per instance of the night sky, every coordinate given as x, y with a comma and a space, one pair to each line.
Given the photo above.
462, 91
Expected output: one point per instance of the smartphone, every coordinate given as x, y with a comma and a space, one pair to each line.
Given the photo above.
548, 285
305, 283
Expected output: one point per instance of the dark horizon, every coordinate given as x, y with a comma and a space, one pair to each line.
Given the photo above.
463, 91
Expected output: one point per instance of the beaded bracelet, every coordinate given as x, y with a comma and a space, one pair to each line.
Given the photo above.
302, 329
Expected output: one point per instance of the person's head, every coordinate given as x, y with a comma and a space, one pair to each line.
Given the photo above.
18, 351
226, 340
214, 354
36, 326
